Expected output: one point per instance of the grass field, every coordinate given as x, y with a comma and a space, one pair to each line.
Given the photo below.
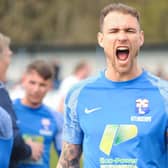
54, 158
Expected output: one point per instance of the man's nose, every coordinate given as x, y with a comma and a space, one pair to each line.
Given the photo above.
122, 36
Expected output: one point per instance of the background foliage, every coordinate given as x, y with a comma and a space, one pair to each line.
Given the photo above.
74, 21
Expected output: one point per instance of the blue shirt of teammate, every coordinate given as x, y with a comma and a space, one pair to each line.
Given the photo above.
6, 138
42, 125
119, 124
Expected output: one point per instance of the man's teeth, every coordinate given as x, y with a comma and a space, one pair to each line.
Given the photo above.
122, 48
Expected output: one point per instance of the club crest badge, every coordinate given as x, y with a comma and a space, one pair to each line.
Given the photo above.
45, 127
142, 106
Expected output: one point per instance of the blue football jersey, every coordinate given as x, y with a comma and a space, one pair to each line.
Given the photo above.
119, 124
40, 124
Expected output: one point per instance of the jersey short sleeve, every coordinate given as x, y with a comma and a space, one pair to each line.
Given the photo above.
72, 131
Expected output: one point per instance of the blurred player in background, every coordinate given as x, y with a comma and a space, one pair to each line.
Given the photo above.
81, 71
20, 149
36, 120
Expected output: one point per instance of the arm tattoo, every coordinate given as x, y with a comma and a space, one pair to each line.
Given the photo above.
70, 156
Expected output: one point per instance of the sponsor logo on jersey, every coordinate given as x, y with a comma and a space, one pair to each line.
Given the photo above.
115, 135
118, 162
141, 108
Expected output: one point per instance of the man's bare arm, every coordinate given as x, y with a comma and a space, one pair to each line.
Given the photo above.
70, 156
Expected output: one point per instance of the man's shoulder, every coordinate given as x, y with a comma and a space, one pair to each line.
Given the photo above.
157, 81
85, 85
48, 111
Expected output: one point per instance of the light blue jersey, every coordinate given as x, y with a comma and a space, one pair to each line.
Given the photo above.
120, 124
42, 126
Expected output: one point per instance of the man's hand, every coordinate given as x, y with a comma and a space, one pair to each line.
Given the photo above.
70, 156
37, 149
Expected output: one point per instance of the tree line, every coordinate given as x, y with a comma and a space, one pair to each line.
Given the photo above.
71, 22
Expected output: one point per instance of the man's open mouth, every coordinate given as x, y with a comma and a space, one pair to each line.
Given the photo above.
122, 53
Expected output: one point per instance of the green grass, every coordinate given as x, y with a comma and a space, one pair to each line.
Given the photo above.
53, 158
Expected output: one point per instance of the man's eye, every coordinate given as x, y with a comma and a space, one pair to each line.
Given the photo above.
31, 82
113, 31
131, 31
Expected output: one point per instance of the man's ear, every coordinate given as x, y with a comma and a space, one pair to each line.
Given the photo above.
142, 39
100, 39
